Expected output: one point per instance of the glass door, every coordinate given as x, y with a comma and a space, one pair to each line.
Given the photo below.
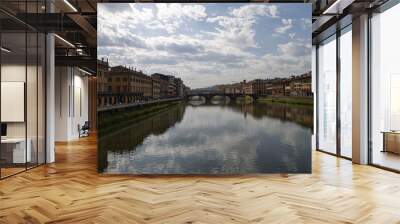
14, 154
346, 92
22, 95
385, 89
326, 87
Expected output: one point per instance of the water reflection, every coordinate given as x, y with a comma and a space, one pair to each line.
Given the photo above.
206, 138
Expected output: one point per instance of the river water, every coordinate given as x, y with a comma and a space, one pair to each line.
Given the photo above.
212, 138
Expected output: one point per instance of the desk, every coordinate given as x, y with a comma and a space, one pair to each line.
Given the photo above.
15, 148
391, 141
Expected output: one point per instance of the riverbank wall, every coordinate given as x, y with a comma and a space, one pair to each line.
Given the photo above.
109, 120
120, 107
288, 100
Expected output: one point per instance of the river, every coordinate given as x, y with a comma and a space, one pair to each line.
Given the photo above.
212, 138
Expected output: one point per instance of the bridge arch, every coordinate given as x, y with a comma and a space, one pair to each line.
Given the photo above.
193, 97
231, 96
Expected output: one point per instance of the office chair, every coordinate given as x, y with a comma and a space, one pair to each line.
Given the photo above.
84, 130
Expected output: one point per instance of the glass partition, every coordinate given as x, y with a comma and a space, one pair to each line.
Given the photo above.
327, 96
346, 92
385, 89
14, 154
22, 94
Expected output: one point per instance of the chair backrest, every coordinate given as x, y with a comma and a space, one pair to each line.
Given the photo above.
86, 124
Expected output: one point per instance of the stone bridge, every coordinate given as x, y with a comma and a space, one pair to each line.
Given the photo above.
209, 95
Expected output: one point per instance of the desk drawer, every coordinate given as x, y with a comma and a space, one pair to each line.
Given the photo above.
6, 154
392, 142
16, 152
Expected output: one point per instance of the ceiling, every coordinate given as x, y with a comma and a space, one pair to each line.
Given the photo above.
75, 21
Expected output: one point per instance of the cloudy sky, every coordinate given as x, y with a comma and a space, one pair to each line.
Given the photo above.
207, 44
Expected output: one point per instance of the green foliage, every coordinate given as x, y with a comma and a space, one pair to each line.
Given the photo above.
245, 99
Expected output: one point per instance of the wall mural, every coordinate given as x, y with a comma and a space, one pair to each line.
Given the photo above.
204, 88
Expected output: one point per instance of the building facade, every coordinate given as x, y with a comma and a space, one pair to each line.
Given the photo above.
123, 85
247, 87
104, 88
260, 86
171, 87
164, 84
293, 86
179, 87
156, 88
301, 85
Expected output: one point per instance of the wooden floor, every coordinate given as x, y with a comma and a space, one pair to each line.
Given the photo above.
71, 191
5, 172
387, 159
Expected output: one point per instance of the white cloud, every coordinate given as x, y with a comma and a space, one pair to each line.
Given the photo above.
249, 11
113, 19
171, 16
237, 30
219, 51
234, 31
306, 23
294, 48
176, 11
167, 17
287, 24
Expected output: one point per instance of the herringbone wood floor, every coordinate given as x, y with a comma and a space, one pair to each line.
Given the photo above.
71, 191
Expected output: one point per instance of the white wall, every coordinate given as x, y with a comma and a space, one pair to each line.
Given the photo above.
12, 73
62, 82
33, 126
9, 73
13, 101
80, 112
71, 102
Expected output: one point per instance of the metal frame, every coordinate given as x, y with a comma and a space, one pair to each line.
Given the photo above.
26, 90
386, 6
369, 106
338, 98
317, 99
0, 91
337, 34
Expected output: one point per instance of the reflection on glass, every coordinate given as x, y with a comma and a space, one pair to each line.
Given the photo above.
22, 76
385, 89
327, 96
212, 138
346, 93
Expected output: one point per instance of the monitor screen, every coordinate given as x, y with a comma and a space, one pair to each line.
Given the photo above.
3, 129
